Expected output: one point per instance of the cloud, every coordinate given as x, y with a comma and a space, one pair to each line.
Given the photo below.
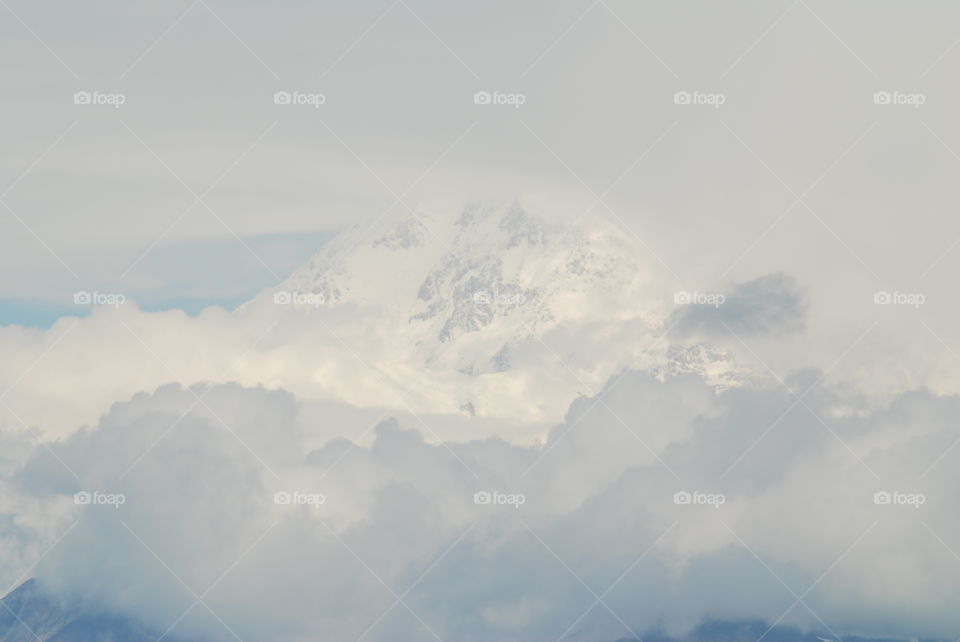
774, 303
400, 513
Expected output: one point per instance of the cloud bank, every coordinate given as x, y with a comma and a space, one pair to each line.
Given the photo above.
398, 518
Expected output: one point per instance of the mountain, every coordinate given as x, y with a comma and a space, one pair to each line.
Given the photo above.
495, 311
29, 614
753, 630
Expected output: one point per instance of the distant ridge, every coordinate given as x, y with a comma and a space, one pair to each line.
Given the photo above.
28, 614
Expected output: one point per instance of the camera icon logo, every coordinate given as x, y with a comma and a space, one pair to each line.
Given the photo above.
282, 297
82, 298
83, 498
482, 98
682, 498
482, 498
82, 98
882, 498
282, 498
682, 98
882, 98
481, 297
282, 98
682, 298
882, 297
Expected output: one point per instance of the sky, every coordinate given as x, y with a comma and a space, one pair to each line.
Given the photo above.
738, 215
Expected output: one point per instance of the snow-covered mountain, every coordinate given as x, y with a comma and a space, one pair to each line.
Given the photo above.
496, 311
496, 268
490, 268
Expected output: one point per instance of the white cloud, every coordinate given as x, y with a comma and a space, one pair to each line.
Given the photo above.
799, 499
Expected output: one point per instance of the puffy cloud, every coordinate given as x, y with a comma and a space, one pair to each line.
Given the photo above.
797, 482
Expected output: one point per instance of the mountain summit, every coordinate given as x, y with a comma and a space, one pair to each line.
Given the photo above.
498, 311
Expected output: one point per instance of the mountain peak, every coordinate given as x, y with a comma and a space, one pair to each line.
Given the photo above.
495, 303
